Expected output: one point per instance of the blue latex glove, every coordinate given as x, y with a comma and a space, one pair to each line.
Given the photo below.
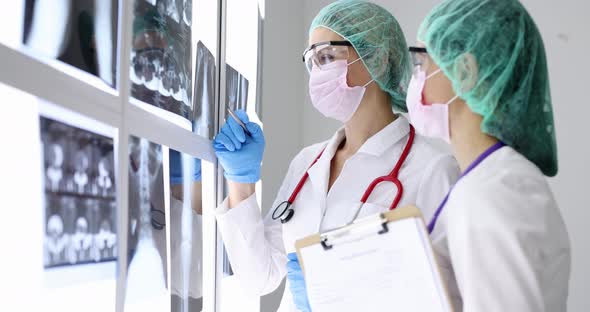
297, 283
176, 173
239, 154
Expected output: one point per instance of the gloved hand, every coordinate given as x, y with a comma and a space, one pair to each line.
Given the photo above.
239, 154
297, 283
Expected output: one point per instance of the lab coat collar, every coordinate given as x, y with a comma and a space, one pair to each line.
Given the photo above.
319, 174
375, 145
387, 137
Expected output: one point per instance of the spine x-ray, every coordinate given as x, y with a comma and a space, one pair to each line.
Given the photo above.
146, 275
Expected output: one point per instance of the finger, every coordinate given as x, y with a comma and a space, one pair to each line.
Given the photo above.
229, 133
237, 130
218, 146
217, 143
243, 116
255, 131
224, 142
293, 266
292, 256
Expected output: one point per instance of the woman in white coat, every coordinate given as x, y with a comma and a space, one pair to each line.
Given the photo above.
359, 65
480, 82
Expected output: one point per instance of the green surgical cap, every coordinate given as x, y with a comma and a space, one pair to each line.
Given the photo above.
377, 38
494, 55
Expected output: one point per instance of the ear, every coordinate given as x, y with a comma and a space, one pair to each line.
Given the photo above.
467, 71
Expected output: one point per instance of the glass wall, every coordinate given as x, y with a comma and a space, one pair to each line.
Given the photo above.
107, 156
241, 43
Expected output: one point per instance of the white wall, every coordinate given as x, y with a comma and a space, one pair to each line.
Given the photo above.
565, 31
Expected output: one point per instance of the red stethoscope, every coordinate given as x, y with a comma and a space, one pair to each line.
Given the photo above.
287, 212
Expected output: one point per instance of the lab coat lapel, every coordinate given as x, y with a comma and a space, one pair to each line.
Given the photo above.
319, 175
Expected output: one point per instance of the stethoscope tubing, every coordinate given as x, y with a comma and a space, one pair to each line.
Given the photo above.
288, 212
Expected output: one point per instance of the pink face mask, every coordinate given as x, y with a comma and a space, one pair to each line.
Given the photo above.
431, 120
331, 95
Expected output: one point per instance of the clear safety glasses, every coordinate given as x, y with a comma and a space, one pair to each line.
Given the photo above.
323, 53
420, 59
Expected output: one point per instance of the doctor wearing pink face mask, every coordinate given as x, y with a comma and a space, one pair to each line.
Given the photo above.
358, 68
481, 83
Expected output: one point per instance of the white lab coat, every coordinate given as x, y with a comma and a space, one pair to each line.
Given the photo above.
257, 247
500, 240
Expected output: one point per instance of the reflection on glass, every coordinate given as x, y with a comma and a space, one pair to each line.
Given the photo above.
146, 277
160, 70
82, 33
204, 92
80, 207
236, 92
236, 89
186, 232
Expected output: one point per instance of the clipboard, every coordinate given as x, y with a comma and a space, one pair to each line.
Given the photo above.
339, 246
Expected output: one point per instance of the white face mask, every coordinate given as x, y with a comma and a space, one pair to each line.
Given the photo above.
331, 95
431, 120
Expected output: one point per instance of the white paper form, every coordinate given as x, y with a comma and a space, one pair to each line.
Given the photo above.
394, 271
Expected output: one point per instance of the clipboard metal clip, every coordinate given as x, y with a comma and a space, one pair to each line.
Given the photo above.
356, 227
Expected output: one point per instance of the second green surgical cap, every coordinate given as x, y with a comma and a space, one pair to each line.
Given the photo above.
494, 55
377, 38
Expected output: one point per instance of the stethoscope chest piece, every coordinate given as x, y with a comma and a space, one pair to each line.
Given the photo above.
283, 212
288, 215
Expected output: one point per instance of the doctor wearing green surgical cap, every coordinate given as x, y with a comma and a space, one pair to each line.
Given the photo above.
480, 82
359, 67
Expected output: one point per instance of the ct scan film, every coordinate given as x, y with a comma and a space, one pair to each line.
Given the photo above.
79, 189
160, 72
